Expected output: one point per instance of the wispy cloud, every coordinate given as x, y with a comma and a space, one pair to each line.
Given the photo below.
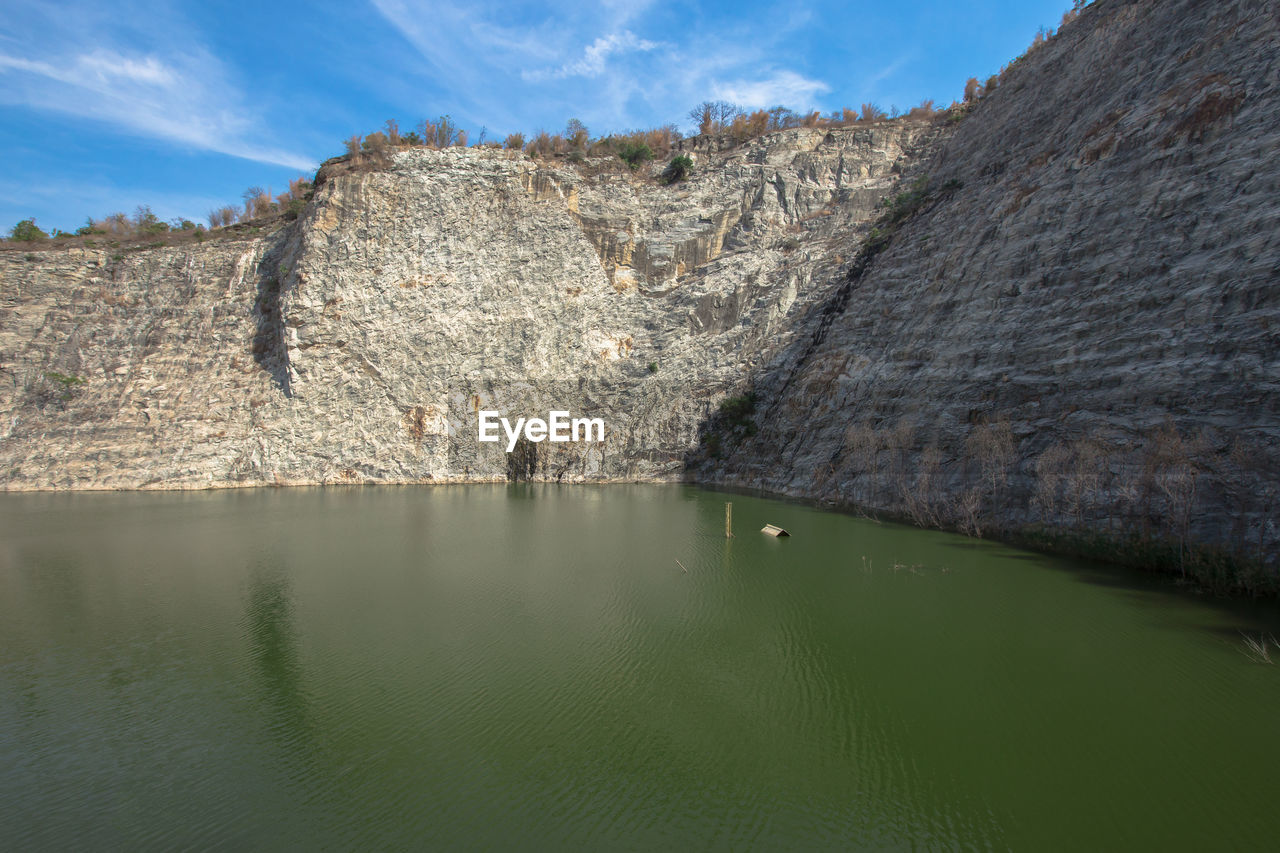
178, 96
605, 63
592, 61
780, 87
891, 69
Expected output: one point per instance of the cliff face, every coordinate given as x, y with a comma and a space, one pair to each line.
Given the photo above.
1079, 326
358, 344
1086, 333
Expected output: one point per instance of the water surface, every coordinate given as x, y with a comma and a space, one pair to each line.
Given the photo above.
528, 667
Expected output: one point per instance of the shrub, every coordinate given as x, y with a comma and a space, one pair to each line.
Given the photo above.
441, 133
222, 217
653, 367
746, 127
146, 222
64, 379
1042, 36
89, 227
924, 110
514, 142
374, 143
971, 90
871, 112
634, 153
26, 231
899, 208
677, 169
257, 202
545, 145
293, 208
904, 204
737, 412
115, 224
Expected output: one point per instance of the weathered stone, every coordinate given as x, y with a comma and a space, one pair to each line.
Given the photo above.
1104, 283
358, 344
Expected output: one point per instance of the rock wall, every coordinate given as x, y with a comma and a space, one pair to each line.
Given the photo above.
1078, 328
1085, 333
359, 343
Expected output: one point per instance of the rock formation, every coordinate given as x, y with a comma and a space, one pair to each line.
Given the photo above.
358, 344
1085, 333
1075, 324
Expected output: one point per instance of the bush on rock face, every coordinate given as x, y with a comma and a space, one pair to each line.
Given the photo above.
678, 169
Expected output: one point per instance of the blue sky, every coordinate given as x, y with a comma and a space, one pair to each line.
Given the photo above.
105, 106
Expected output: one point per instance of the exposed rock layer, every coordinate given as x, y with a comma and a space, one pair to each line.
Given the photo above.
1087, 333
358, 344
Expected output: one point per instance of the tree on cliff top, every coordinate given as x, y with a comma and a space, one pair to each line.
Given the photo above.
26, 230
714, 116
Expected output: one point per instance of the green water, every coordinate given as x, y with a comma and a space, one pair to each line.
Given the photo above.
529, 668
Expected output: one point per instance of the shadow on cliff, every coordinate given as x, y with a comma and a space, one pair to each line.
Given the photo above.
748, 424
268, 338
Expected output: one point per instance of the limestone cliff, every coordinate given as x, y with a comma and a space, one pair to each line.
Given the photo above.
1077, 326
358, 344
1084, 334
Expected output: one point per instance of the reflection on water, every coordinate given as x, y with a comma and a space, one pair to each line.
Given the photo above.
272, 647
529, 667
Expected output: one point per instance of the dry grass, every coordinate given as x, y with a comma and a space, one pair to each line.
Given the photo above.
1259, 648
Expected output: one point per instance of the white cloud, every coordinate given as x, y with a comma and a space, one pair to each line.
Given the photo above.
183, 97
592, 62
514, 70
782, 87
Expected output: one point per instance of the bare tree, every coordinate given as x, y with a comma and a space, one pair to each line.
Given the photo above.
864, 447
992, 446
1176, 467
1083, 479
1051, 467
714, 116
968, 511
575, 132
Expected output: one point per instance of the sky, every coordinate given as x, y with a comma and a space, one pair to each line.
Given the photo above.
182, 106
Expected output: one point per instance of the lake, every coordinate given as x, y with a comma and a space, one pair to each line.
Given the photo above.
528, 667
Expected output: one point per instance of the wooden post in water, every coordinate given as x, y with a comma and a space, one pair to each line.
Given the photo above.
728, 520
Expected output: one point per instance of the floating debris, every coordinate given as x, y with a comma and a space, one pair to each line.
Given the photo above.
774, 530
